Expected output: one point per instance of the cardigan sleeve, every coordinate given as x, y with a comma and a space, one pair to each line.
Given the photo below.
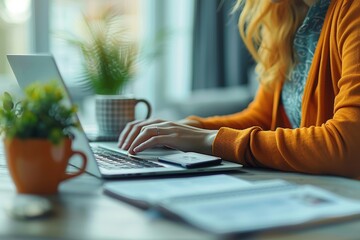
258, 113
332, 147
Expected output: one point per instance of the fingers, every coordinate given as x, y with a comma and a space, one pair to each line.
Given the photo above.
173, 135
152, 136
162, 140
161, 134
125, 132
132, 130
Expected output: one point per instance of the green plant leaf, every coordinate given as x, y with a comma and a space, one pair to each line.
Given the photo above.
109, 54
41, 114
8, 103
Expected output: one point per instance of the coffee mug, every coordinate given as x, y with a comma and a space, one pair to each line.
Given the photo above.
114, 112
37, 166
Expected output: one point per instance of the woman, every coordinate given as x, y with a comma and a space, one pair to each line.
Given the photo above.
306, 114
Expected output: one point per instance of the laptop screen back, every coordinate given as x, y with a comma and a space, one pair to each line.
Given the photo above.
42, 68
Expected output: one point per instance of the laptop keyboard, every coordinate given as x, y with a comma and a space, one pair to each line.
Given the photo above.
113, 160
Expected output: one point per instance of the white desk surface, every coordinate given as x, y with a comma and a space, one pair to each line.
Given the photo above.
82, 211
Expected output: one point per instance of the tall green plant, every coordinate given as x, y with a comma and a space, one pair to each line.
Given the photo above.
109, 55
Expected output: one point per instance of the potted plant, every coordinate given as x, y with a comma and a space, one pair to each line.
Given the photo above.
37, 138
110, 57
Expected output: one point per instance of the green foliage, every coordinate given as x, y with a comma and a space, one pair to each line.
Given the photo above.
109, 55
41, 114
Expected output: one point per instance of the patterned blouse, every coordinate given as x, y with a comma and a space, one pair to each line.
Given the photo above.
305, 42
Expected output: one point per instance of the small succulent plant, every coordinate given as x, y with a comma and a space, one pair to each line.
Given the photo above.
41, 114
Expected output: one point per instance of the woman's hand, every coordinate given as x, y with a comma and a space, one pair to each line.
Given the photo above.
140, 135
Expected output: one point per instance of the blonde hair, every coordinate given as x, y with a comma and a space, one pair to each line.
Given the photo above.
267, 30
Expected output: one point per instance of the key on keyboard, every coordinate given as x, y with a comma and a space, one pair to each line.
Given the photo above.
110, 159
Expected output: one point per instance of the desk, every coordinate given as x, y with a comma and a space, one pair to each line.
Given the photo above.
81, 211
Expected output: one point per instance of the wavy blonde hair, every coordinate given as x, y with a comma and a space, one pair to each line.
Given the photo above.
268, 30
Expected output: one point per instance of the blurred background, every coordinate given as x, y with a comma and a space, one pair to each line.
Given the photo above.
201, 67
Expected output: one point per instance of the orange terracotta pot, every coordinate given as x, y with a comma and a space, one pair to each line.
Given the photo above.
37, 166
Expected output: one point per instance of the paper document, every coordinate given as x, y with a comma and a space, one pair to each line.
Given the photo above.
223, 204
148, 192
250, 210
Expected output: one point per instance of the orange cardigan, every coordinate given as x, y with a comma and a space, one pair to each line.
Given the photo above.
328, 139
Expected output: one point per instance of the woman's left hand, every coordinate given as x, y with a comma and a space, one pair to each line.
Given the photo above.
174, 135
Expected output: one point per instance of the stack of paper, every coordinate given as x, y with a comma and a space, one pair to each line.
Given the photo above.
223, 204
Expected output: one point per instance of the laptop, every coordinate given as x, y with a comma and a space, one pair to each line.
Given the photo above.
105, 159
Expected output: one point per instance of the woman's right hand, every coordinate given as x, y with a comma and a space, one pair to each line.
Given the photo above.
132, 130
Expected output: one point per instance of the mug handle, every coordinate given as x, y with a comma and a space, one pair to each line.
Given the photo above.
147, 105
81, 170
